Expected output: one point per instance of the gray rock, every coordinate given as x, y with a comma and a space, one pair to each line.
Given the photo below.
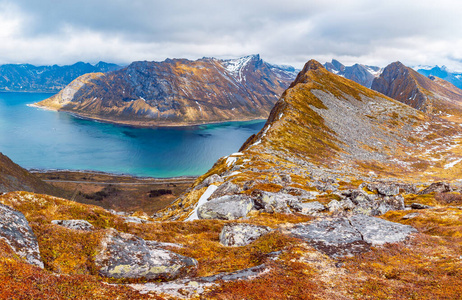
388, 203
124, 255
420, 206
411, 216
227, 188
437, 187
135, 220
15, 230
311, 208
241, 234
274, 202
378, 231
74, 224
347, 236
384, 189
211, 179
226, 208
334, 206
347, 204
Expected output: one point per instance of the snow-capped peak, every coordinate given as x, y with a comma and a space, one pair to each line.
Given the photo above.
235, 66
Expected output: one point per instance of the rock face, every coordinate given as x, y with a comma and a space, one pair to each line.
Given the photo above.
123, 255
15, 230
15, 178
347, 236
407, 86
181, 92
49, 79
74, 224
226, 208
364, 75
241, 234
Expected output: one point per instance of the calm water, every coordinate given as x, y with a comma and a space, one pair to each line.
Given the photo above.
41, 139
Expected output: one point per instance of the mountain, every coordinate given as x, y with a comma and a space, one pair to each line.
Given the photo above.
327, 133
15, 178
408, 86
361, 74
179, 92
442, 72
50, 79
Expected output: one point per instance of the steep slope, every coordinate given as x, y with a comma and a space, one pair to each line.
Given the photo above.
406, 85
361, 74
15, 178
327, 133
181, 92
50, 79
442, 72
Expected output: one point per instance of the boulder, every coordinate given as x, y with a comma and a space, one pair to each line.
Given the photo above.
227, 188
212, 179
334, 206
74, 224
274, 202
387, 203
226, 208
15, 230
241, 234
135, 220
384, 189
420, 206
437, 187
123, 255
311, 208
411, 216
347, 236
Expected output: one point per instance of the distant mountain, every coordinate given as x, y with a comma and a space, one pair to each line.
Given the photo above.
51, 79
443, 73
15, 178
406, 85
361, 74
178, 92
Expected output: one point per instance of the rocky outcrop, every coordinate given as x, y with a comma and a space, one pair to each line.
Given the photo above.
348, 236
226, 208
274, 202
74, 224
15, 230
180, 92
241, 234
124, 255
436, 187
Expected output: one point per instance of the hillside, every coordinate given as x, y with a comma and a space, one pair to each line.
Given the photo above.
46, 79
179, 92
408, 86
15, 178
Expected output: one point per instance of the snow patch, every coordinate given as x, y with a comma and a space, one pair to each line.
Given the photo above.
230, 161
202, 200
452, 164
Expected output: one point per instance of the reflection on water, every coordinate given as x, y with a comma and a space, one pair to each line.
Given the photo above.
37, 138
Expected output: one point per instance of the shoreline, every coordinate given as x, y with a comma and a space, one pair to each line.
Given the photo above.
143, 124
93, 172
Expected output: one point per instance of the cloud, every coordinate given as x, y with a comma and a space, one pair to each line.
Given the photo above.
292, 32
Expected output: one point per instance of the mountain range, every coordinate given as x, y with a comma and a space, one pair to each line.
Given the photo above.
442, 72
359, 73
47, 79
177, 92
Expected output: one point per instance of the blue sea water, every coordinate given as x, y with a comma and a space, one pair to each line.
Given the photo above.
40, 139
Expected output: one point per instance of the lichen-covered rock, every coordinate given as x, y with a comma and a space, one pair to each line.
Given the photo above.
211, 179
386, 204
135, 220
420, 206
334, 206
226, 208
123, 255
311, 208
384, 189
274, 202
15, 230
74, 224
227, 188
438, 187
347, 236
241, 234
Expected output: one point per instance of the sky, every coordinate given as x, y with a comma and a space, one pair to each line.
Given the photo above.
378, 32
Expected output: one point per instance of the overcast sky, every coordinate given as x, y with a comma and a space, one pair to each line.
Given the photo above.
374, 32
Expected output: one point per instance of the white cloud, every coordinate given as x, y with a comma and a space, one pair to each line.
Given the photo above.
294, 31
